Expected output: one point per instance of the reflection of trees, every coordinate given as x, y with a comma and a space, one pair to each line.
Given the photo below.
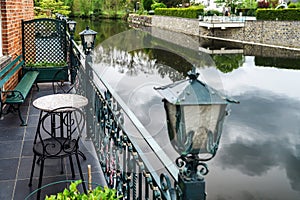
144, 61
285, 63
104, 28
228, 62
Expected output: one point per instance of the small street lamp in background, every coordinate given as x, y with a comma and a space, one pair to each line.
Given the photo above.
195, 115
88, 37
71, 26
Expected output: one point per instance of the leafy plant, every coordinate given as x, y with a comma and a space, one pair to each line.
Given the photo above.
158, 5
98, 193
47, 64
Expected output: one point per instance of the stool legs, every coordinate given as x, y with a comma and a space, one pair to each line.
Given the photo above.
32, 170
80, 172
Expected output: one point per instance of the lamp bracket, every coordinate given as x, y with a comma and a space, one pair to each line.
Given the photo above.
191, 167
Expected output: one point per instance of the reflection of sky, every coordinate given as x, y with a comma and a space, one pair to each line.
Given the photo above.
259, 155
249, 77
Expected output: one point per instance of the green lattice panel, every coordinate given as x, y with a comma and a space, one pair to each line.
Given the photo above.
44, 40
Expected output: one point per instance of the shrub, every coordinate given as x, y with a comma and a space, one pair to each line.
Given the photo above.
191, 12
158, 5
212, 13
292, 5
292, 14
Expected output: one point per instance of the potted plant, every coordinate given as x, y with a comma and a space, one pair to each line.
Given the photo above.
98, 193
49, 71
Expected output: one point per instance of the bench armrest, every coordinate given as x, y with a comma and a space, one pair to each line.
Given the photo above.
13, 93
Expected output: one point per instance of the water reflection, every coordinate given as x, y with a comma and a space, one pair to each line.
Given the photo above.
228, 62
259, 156
145, 61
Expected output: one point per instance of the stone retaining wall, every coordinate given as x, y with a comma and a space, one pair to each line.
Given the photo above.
283, 33
182, 25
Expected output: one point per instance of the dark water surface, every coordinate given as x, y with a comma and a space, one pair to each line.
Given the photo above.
259, 154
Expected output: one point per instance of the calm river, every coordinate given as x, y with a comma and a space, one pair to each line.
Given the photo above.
259, 154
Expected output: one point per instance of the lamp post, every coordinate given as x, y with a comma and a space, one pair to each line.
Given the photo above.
88, 37
195, 114
71, 29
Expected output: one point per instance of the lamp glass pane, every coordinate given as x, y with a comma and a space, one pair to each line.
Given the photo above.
89, 39
71, 27
171, 109
206, 123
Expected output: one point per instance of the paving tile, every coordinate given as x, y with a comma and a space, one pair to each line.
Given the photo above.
6, 189
27, 148
8, 168
30, 133
13, 133
32, 120
52, 167
50, 185
10, 149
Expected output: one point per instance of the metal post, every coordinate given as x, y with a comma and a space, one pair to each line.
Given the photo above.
191, 189
73, 70
89, 92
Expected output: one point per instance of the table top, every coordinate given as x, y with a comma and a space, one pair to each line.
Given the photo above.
54, 101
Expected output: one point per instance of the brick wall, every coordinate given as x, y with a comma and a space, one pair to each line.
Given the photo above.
12, 13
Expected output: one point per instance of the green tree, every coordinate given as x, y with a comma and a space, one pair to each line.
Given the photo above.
85, 7
51, 7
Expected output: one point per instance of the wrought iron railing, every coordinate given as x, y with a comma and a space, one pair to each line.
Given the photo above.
124, 162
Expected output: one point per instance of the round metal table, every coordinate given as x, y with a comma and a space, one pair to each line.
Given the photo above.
50, 102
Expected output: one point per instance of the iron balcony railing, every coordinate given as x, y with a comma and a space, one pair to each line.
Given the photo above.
125, 166
122, 143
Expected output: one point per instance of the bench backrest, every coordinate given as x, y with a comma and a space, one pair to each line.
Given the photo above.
8, 71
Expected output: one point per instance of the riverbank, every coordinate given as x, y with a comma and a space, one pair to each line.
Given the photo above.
275, 33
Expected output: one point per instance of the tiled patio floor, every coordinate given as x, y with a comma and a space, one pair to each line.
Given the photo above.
16, 155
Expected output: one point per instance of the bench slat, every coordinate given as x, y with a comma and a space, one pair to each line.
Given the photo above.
23, 87
9, 66
11, 73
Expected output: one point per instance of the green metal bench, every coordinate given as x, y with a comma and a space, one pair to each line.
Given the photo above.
17, 96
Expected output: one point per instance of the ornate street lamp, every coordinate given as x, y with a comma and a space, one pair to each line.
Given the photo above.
71, 29
71, 26
88, 37
195, 114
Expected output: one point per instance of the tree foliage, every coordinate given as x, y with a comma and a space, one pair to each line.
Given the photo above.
85, 8
50, 7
